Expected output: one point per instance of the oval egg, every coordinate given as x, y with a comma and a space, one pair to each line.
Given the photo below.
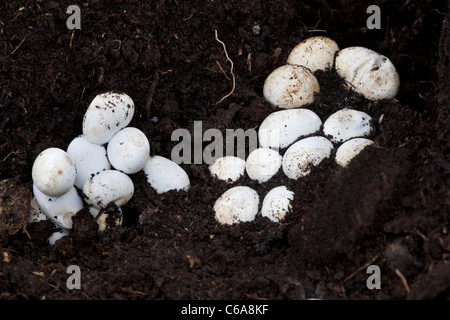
290, 86
238, 204
53, 172
107, 114
303, 154
346, 124
88, 158
128, 150
315, 53
262, 164
370, 73
164, 175
350, 149
277, 203
228, 168
108, 186
282, 128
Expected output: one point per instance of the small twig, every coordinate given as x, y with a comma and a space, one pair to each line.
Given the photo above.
21, 42
231, 70
150, 95
362, 268
71, 39
221, 69
402, 277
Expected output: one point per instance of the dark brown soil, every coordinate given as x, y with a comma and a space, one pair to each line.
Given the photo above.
390, 207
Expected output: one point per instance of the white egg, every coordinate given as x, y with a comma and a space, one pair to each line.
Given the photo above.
303, 154
165, 175
108, 186
370, 73
88, 158
350, 149
55, 236
238, 204
315, 53
346, 124
106, 115
228, 168
53, 172
262, 164
277, 203
101, 221
59, 210
290, 86
282, 128
128, 150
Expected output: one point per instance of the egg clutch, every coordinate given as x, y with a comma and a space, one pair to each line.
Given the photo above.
97, 165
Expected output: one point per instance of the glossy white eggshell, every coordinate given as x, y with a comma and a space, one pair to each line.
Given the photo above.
53, 172
128, 150
107, 114
282, 128
88, 158
164, 175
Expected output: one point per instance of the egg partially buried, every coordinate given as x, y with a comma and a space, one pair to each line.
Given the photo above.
290, 86
164, 175
238, 204
88, 158
262, 164
303, 154
350, 149
128, 150
346, 124
282, 128
59, 210
108, 186
315, 53
228, 168
370, 73
53, 172
277, 203
107, 114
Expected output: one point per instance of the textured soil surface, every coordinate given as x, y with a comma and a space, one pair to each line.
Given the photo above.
389, 207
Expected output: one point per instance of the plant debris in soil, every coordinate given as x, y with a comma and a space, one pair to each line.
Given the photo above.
388, 208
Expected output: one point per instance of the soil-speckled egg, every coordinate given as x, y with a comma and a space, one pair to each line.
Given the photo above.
108, 186
53, 172
59, 210
370, 73
107, 114
238, 204
350, 149
277, 203
164, 175
228, 168
315, 53
346, 124
303, 154
290, 86
128, 150
88, 158
282, 128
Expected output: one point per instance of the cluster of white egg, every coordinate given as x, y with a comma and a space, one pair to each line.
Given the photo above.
306, 140
98, 163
